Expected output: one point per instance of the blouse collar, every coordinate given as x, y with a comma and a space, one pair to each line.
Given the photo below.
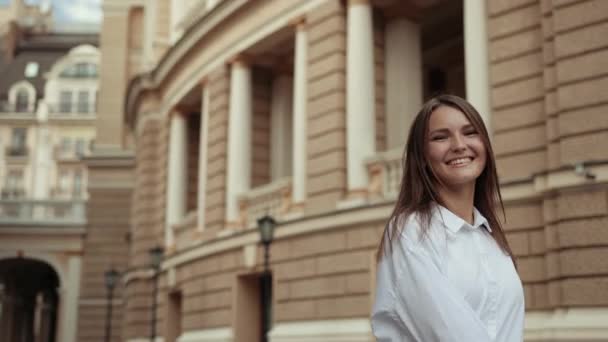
454, 223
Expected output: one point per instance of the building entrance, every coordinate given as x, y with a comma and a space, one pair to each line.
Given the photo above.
28, 298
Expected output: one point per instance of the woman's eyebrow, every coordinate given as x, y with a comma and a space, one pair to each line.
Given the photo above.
440, 130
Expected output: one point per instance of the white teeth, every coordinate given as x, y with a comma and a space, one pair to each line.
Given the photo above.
460, 161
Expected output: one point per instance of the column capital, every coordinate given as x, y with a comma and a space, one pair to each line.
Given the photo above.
359, 2
240, 59
181, 110
299, 23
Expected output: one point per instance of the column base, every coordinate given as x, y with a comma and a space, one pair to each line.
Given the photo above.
170, 249
354, 198
296, 210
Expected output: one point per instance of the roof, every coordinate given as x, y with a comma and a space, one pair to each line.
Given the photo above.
45, 49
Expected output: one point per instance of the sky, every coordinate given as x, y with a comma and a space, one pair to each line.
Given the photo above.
70, 12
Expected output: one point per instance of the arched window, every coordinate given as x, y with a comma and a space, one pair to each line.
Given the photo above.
22, 101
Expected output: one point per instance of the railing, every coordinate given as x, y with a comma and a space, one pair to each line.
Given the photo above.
79, 108
385, 172
16, 108
41, 212
16, 151
272, 199
70, 153
12, 192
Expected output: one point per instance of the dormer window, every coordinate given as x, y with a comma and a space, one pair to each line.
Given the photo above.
22, 101
80, 70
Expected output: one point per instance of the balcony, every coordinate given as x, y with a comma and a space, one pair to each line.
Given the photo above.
16, 154
385, 172
12, 192
43, 212
71, 111
70, 154
272, 199
17, 112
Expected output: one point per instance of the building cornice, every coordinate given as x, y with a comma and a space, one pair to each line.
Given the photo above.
150, 80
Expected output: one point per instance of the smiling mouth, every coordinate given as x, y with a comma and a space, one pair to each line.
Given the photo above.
460, 161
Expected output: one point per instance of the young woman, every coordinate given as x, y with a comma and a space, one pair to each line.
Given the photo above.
445, 270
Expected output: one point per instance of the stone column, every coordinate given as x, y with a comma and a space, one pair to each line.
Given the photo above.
360, 95
68, 307
281, 127
300, 98
177, 174
202, 157
238, 179
43, 153
403, 75
476, 59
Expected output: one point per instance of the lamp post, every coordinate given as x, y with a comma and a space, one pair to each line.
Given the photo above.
156, 257
111, 277
266, 225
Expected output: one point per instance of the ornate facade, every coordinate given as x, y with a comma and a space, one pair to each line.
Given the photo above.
299, 109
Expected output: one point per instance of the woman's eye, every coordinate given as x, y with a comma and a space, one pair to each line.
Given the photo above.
471, 133
439, 137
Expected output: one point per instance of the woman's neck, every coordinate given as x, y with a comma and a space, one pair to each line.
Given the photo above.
459, 201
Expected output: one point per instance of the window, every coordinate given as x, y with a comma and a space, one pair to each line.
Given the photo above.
83, 102
65, 145
13, 188
17, 147
22, 102
31, 69
77, 189
65, 101
79, 147
64, 182
80, 70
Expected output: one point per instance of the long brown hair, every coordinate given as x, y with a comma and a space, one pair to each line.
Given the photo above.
419, 185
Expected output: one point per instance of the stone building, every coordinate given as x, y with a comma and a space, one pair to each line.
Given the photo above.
236, 109
48, 86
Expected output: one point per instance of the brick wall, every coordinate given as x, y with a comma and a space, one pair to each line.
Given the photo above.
219, 88
147, 228
547, 75
325, 276
326, 168
260, 125
105, 246
379, 74
194, 124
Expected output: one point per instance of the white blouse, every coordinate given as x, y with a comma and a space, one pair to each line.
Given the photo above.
453, 284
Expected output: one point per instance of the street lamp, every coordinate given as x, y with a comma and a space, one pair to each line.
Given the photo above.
111, 277
156, 257
266, 225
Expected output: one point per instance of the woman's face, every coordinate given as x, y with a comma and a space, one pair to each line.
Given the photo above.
455, 150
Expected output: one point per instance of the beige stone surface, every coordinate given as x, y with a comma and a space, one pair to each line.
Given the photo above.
548, 95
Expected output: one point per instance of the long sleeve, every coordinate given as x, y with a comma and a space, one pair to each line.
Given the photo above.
416, 302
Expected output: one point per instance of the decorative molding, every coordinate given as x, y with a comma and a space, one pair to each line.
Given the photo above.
151, 80
99, 302
347, 330
138, 274
575, 324
208, 335
561, 179
286, 229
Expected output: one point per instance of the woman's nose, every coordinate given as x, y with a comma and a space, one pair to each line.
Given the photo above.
458, 143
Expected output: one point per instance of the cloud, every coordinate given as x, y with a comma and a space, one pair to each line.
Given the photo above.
81, 11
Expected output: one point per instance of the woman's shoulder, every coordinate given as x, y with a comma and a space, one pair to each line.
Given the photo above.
420, 231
